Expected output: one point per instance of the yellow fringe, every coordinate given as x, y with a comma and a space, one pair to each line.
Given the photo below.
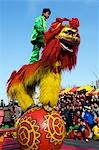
49, 88
18, 92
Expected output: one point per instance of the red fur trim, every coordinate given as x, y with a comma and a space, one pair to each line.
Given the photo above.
53, 30
30, 70
12, 76
51, 52
68, 60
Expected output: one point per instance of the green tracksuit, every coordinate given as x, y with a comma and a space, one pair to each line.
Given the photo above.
37, 37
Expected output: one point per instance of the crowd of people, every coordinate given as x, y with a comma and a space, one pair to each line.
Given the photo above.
9, 114
80, 114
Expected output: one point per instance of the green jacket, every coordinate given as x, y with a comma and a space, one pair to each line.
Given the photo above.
38, 30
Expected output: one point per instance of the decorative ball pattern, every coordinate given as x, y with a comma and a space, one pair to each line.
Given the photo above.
39, 129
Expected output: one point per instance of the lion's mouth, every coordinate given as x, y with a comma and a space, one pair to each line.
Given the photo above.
66, 45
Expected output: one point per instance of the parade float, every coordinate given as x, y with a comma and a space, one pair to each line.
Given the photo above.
43, 127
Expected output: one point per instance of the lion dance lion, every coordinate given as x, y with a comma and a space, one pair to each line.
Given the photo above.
59, 53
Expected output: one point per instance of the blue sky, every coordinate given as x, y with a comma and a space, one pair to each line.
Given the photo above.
16, 21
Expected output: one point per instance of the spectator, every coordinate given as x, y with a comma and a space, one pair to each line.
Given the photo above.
71, 134
88, 117
17, 111
96, 108
84, 131
2, 103
1, 115
7, 117
76, 116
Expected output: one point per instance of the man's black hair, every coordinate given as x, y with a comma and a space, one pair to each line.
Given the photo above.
46, 10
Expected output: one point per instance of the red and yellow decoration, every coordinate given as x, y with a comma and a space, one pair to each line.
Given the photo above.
39, 129
62, 42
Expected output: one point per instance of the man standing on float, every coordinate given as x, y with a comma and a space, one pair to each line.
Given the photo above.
38, 34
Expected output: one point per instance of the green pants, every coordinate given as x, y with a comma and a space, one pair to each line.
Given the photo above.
35, 53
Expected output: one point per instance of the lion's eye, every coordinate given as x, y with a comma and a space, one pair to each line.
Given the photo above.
69, 32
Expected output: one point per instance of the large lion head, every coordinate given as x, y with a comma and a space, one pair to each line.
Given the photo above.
68, 38
62, 41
